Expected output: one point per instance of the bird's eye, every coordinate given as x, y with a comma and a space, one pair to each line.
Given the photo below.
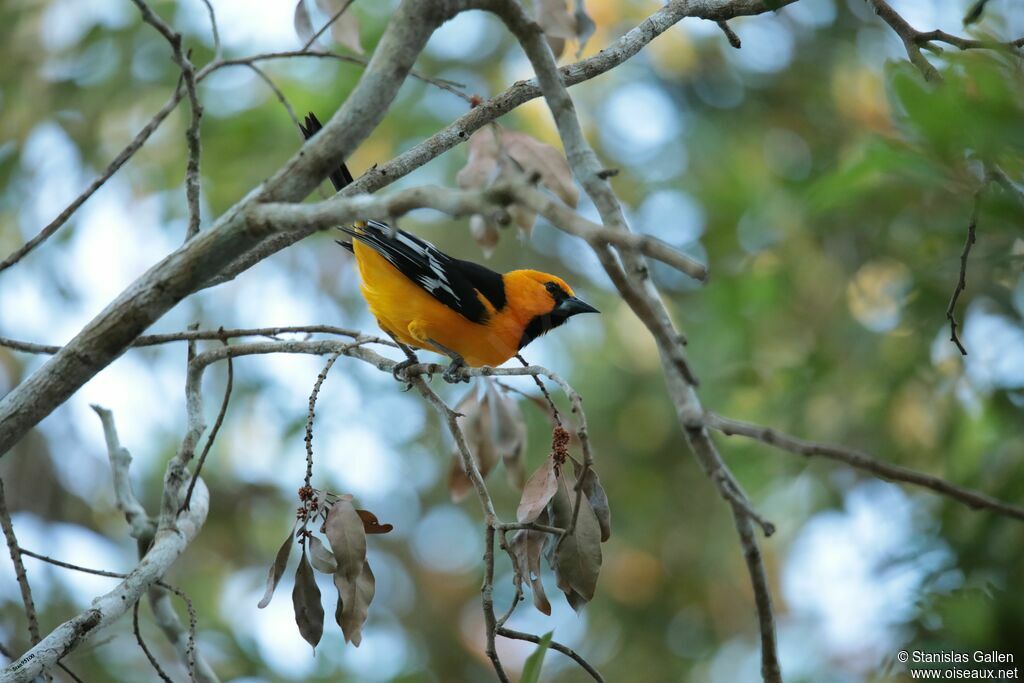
555, 290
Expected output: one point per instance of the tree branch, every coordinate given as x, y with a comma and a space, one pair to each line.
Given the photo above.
186, 269
644, 296
961, 283
142, 527
862, 461
914, 40
167, 545
19, 568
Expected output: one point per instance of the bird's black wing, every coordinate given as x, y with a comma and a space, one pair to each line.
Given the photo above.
451, 281
341, 176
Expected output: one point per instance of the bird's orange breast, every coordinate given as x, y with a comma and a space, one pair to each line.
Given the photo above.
415, 318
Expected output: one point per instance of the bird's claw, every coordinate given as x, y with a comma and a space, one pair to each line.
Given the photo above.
453, 373
398, 370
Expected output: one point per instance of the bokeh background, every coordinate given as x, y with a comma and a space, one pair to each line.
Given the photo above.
828, 191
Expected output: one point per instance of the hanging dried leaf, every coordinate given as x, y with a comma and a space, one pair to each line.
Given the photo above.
345, 29
527, 546
594, 492
515, 467
476, 428
345, 533
277, 569
322, 559
576, 557
459, 484
538, 492
556, 21
505, 417
585, 26
371, 524
485, 233
523, 218
303, 22
352, 609
535, 156
309, 613
481, 167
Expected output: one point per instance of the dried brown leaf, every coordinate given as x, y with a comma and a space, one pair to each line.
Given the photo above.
585, 26
371, 524
482, 165
459, 484
595, 493
277, 569
345, 533
354, 603
535, 156
505, 417
515, 467
576, 557
523, 218
345, 29
303, 22
527, 546
538, 492
485, 233
309, 612
321, 558
554, 17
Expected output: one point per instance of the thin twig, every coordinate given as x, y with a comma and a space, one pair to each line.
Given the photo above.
487, 599
730, 35
914, 40
327, 25
213, 432
75, 677
117, 575
312, 411
736, 496
188, 74
543, 390
113, 167
277, 93
862, 461
213, 28
197, 335
442, 83
961, 283
19, 568
142, 644
555, 645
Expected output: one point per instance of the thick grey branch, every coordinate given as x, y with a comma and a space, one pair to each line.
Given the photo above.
185, 270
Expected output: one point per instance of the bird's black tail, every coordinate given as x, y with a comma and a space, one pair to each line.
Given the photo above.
340, 177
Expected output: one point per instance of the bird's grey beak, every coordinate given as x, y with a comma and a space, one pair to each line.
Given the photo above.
571, 306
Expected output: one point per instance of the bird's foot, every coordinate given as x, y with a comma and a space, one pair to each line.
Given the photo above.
454, 374
398, 371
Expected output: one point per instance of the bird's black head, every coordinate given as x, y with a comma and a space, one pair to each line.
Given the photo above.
561, 304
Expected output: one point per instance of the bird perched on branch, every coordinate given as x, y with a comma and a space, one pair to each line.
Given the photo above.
426, 299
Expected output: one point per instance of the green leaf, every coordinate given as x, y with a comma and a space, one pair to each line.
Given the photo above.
531, 670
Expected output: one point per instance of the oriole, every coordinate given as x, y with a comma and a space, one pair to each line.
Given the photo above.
426, 299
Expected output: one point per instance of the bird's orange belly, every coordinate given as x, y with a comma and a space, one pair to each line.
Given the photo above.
417, 319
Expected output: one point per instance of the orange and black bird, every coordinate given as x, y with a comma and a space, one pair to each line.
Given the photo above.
426, 299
